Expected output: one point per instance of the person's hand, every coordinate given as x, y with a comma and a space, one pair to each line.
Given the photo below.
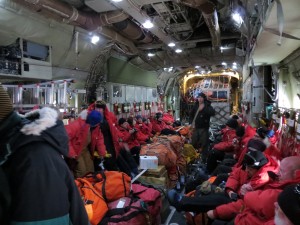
246, 188
132, 131
232, 195
211, 215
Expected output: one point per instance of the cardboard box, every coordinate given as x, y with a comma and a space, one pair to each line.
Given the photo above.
148, 162
159, 172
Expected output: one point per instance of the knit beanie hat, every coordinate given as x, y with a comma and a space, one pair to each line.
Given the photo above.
256, 145
262, 132
6, 106
254, 159
289, 202
139, 117
232, 123
94, 118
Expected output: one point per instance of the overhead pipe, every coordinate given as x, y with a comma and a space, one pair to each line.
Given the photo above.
209, 12
88, 21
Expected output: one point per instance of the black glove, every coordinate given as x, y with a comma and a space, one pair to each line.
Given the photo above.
233, 196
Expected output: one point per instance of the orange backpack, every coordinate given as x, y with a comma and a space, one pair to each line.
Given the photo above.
112, 185
94, 203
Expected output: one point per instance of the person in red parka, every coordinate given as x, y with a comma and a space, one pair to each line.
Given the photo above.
227, 145
143, 126
168, 117
127, 135
257, 207
158, 124
79, 159
253, 176
140, 137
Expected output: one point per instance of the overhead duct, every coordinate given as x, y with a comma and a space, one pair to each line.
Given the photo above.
69, 14
209, 12
132, 31
89, 21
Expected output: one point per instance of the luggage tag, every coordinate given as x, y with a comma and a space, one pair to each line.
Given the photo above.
121, 203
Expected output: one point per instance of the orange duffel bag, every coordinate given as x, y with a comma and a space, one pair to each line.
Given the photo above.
94, 203
112, 185
166, 157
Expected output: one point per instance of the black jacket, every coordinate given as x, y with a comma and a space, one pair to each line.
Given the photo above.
203, 117
41, 185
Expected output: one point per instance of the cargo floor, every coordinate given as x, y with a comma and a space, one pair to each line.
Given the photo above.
175, 218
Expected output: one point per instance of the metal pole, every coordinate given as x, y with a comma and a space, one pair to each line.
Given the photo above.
51, 93
65, 95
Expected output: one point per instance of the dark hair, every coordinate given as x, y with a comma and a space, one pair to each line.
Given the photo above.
130, 121
121, 121
240, 131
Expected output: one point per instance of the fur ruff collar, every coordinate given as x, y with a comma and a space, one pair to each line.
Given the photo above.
43, 119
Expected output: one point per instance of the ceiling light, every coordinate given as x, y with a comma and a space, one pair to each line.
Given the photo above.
237, 18
197, 67
148, 24
234, 63
95, 39
171, 44
234, 67
151, 54
178, 50
224, 63
117, 0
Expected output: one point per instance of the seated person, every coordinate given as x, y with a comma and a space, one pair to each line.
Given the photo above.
168, 117
227, 145
140, 137
251, 176
252, 212
127, 136
158, 124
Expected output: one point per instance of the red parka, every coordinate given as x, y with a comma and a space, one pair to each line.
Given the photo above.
128, 138
78, 132
228, 138
112, 120
258, 207
237, 178
158, 126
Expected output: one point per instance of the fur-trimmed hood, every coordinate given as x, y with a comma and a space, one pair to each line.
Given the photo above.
40, 120
40, 125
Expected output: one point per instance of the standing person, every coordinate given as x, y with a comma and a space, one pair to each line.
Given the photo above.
79, 159
199, 120
119, 157
40, 187
110, 133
